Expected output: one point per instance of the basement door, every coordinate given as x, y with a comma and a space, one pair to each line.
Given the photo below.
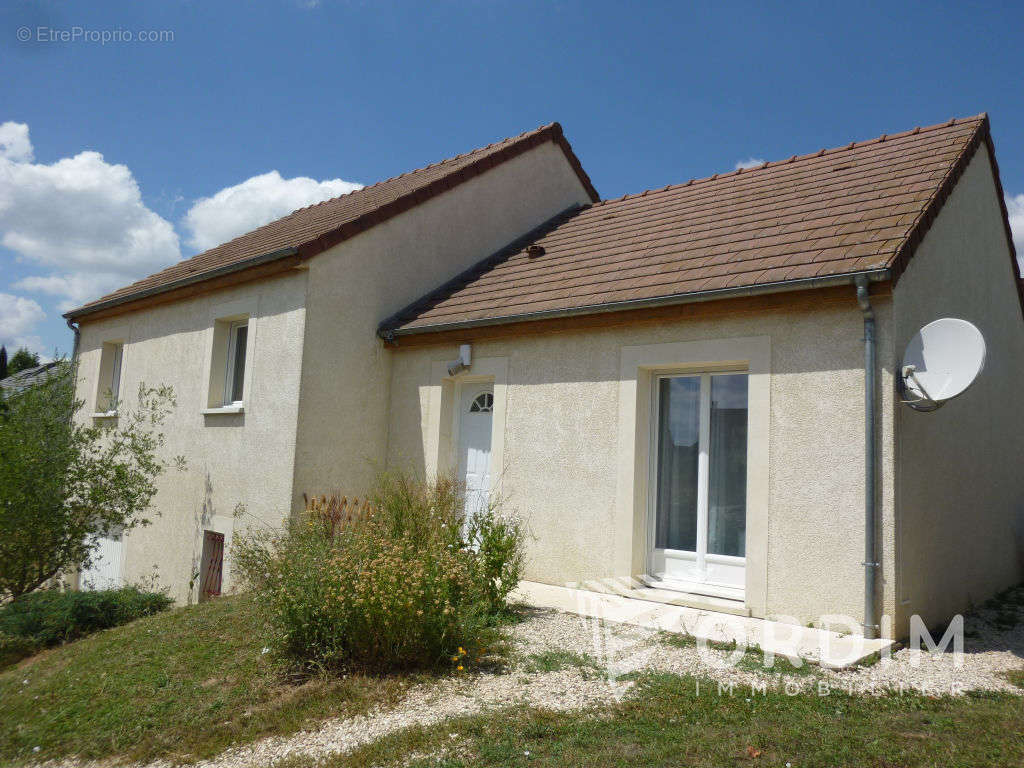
476, 410
212, 565
104, 572
698, 481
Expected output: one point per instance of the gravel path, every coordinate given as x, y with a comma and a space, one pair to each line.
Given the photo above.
586, 659
989, 652
430, 704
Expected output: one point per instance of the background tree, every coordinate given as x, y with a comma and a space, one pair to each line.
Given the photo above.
63, 484
21, 360
3, 362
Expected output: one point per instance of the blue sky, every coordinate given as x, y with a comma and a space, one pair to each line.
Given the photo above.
119, 157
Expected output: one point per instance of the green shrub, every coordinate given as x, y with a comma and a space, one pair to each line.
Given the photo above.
50, 617
403, 581
13, 649
498, 565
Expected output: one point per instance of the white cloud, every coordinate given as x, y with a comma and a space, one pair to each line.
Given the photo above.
18, 317
77, 288
82, 222
1015, 208
256, 201
14, 142
750, 162
82, 219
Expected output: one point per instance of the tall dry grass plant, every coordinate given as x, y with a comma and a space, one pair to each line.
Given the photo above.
404, 579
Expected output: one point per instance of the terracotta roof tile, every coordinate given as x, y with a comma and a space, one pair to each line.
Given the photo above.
310, 230
833, 212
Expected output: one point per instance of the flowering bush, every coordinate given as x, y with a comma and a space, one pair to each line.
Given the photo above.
405, 581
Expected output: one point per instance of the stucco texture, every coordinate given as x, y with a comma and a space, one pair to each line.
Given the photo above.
343, 420
561, 459
232, 459
327, 405
317, 377
960, 488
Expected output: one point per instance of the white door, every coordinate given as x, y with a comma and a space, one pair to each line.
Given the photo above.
476, 406
105, 570
699, 482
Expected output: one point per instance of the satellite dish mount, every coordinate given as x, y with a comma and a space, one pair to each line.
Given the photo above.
941, 361
924, 403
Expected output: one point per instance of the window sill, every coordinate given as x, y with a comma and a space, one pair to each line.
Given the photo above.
224, 409
105, 415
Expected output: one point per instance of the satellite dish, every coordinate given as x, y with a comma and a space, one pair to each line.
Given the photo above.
942, 361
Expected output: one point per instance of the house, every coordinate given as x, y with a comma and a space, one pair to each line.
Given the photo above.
669, 387
29, 377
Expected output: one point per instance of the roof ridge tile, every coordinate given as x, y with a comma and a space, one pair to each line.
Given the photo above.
812, 155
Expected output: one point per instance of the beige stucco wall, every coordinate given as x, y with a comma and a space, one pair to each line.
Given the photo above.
561, 431
343, 423
315, 368
960, 491
231, 458
326, 404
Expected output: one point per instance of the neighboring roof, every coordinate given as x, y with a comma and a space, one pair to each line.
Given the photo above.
28, 377
316, 228
801, 222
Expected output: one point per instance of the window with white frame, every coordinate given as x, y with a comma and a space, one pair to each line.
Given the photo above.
234, 376
115, 375
699, 477
108, 389
228, 360
484, 403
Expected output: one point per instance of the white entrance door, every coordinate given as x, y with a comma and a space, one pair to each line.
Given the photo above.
699, 483
476, 406
105, 570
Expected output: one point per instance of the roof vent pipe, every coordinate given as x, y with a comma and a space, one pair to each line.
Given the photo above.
870, 564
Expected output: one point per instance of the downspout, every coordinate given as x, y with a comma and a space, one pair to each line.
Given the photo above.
73, 325
870, 564
74, 329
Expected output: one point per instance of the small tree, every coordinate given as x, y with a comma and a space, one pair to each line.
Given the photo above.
22, 360
63, 484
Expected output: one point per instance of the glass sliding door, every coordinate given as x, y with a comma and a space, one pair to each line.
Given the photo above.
678, 463
699, 481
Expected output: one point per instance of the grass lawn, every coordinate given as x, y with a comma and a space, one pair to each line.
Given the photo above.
670, 724
184, 683
189, 682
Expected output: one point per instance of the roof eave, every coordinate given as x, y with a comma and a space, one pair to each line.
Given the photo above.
809, 283
201, 277
322, 242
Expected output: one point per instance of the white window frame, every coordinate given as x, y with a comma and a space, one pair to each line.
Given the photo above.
229, 373
483, 403
700, 557
115, 375
637, 363
109, 376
